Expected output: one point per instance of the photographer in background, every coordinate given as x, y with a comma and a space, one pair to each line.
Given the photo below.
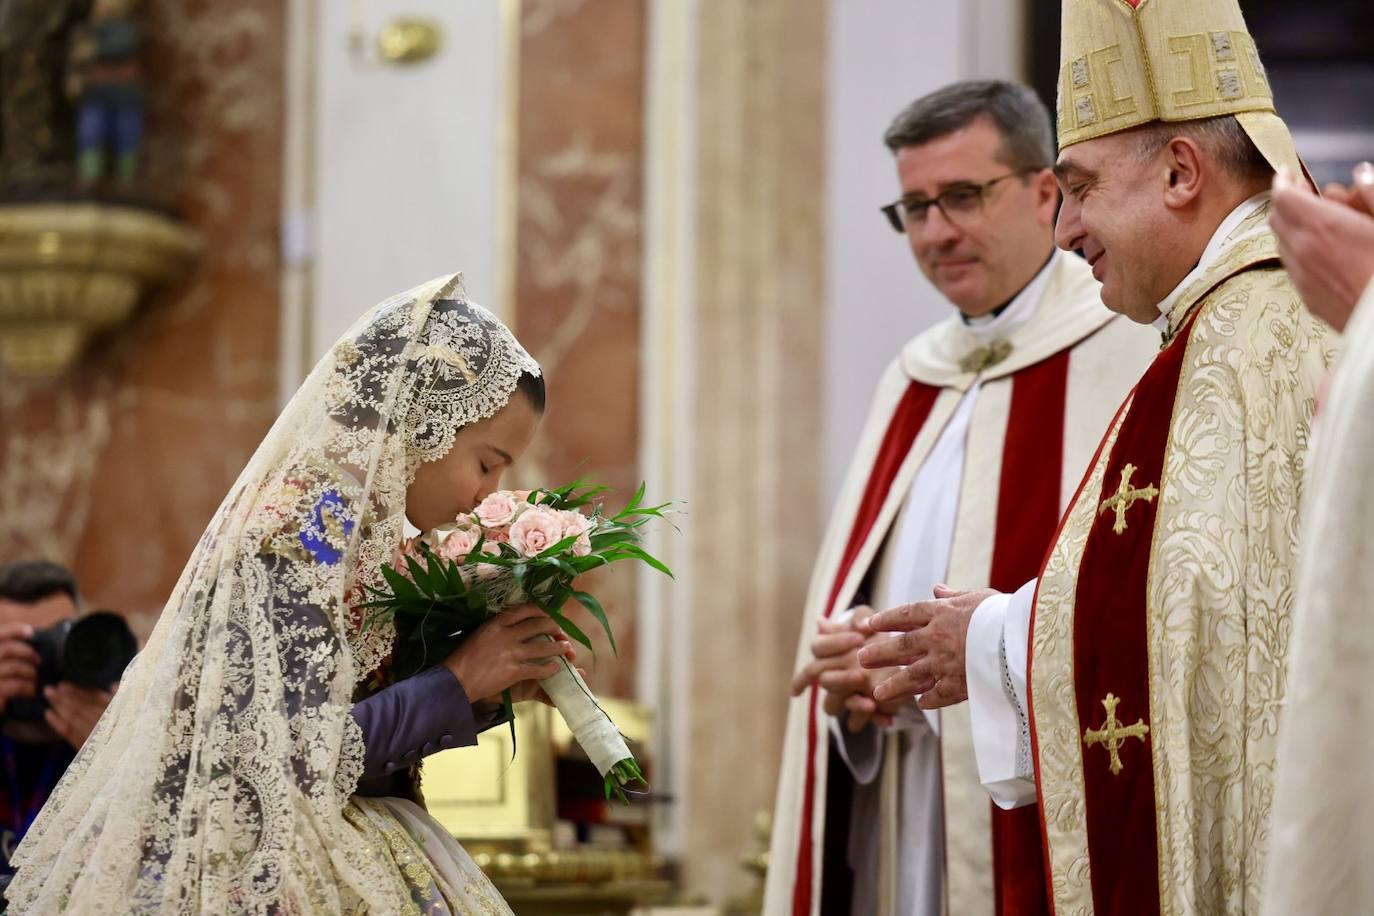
35, 752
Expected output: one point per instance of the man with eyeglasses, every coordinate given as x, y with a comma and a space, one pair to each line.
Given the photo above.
976, 437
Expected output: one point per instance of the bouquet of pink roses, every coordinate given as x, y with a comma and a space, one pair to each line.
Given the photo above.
517, 547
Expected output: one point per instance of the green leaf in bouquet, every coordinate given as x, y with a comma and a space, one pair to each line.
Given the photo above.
559, 547
583, 565
588, 601
574, 495
453, 579
401, 587
634, 502
620, 776
567, 626
434, 572
557, 564
535, 576
615, 534
640, 553
419, 577
580, 565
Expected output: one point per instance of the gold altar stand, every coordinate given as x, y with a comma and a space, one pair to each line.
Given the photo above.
538, 824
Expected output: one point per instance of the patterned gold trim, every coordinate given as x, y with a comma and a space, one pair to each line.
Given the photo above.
1058, 724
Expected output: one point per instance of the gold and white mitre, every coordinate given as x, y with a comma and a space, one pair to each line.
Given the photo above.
1124, 63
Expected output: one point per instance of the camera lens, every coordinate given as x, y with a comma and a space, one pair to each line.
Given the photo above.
96, 650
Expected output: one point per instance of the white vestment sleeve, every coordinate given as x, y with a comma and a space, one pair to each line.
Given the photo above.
862, 751
995, 664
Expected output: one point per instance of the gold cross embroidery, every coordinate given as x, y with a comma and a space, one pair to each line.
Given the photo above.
1113, 734
1125, 497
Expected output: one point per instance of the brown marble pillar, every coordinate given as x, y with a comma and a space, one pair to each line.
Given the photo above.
580, 149
759, 315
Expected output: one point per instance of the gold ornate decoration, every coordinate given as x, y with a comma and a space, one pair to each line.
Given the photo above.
409, 41
69, 271
1125, 63
503, 807
1113, 734
577, 866
1125, 497
984, 358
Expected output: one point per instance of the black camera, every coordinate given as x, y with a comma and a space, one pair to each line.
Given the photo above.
89, 651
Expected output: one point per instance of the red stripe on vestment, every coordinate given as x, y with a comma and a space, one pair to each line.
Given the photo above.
911, 414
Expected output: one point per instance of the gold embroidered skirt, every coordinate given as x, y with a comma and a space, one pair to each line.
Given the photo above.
432, 874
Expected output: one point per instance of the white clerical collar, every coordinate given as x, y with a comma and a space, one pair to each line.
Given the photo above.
1020, 310
1214, 248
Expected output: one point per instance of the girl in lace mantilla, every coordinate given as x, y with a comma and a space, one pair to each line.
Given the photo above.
259, 757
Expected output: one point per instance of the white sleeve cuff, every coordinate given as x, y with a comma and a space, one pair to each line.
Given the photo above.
861, 751
1001, 736
1016, 642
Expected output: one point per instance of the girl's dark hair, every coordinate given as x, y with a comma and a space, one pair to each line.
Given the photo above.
532, 387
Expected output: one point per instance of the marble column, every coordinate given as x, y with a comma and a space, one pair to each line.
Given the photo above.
759, 299
580, 150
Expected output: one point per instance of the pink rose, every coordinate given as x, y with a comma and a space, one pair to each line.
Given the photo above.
404, 549
577, 525
497, 510
458, 543
536, 530
497, 535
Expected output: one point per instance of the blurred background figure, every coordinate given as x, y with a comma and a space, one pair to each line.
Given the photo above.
1322, 835
45, 716
103, 79
1327, 242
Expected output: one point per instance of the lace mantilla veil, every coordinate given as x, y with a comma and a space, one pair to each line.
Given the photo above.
220, 778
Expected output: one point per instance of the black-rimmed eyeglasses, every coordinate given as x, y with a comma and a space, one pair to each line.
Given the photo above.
958, 202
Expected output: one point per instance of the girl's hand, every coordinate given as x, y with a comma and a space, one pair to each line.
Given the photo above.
508, 649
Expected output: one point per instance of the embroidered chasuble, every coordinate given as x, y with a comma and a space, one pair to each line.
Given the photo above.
1159, 635
1020, 415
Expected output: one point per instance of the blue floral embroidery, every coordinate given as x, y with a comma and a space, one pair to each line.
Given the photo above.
326, 531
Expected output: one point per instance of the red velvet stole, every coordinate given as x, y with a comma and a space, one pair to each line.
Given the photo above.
1111, 650
1028, 502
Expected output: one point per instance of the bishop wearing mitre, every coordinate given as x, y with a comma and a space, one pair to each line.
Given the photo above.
1134, 688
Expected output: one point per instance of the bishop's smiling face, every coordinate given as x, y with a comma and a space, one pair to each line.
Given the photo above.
1114, 212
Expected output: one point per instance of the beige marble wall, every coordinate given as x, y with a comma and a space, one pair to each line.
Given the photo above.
757, 386
116, 468
580, 149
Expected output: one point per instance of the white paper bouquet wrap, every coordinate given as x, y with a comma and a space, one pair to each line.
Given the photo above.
592, 728
519, 547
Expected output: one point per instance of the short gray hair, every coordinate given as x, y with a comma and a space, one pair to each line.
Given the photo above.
1015, 110
1221, 138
